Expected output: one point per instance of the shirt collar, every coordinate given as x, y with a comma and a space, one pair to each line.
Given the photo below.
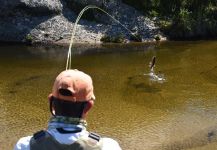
66, 122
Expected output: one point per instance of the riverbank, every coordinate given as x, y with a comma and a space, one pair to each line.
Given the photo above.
52, 23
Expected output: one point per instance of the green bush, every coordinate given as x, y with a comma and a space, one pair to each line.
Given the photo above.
181, 18
113, 39
136, 38
118, 39
153, 13
164, 25
157, 38
182, 25
105, 39
28, 39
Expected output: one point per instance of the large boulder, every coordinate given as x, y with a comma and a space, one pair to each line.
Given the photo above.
7, 7
52, 21
110, 6
39, 7
33, 7
83, 3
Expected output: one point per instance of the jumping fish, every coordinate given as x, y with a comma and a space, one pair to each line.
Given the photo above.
152, 63
153, 76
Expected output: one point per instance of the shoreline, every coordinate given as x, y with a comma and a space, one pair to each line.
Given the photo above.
55, 25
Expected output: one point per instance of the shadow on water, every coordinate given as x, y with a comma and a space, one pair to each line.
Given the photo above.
32, 78
140, 84
15, 86
210, 75
199, 139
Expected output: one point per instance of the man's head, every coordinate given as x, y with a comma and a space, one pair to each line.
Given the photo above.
72, 94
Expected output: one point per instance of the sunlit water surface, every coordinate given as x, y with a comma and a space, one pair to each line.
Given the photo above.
180, 113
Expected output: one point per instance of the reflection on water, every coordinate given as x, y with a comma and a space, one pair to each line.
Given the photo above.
177, 114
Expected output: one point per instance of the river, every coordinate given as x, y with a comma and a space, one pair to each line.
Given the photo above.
179, 113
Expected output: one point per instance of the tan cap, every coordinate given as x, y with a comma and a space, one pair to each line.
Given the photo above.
73, 85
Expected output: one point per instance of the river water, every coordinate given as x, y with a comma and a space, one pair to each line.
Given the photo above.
180, 113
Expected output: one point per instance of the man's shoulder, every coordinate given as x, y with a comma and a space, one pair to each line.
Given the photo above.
23, 143
107, 143
110, 144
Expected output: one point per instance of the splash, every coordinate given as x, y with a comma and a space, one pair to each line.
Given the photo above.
153, 76
69, 59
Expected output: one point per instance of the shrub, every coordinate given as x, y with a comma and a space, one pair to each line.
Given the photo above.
115, 39
157, 38
28, 39
181, 26
136, 38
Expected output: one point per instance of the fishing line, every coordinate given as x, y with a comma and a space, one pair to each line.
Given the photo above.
69, 59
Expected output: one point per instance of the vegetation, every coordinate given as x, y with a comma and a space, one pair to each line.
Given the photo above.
157, 38
113, 39
136, 38
182, 18
28, 39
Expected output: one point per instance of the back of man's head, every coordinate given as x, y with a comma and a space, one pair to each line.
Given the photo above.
72, 92
73, 85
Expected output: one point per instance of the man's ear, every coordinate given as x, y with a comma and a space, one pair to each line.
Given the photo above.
50, 97
87, 107
52, 111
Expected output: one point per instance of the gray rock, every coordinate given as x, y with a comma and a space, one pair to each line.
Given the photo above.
7, 7
52, 21
83, 3
39, 7
33, 7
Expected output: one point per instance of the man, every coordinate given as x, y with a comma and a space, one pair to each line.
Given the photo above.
71, 99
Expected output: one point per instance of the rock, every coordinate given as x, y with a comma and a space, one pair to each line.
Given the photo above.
83, 3
33, 7
39, 7
52, 21
7, 7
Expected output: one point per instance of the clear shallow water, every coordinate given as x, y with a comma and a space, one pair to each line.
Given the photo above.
141, 115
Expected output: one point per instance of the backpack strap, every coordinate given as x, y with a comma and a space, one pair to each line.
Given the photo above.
40, 134
94, 136
42, 140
